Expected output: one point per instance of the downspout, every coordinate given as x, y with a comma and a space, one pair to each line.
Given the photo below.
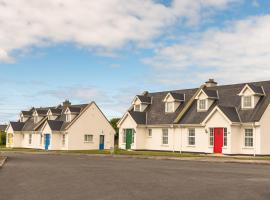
255, 139
173, 137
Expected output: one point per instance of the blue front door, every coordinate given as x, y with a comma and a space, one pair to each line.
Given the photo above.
47, 141
101, 142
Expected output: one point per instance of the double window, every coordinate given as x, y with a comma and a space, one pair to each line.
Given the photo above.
247, 101
202, 104
137, 108
169, 106
191, 136
249, 137
165, 136
88, 138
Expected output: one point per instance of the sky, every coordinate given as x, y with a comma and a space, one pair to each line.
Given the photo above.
111, 50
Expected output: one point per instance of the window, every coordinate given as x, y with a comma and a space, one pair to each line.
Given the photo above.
248, 137
202, 104
40, 139
191, 136
68, 117
137, 108
247, 103
211, 137
88, 138
225, 138
133, 137
165, 136
169, 106
30, 139
149, 132
124, 136
64, 139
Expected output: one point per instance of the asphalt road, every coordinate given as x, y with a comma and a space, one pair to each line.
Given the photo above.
68, 177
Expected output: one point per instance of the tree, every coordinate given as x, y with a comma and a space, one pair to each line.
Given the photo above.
114, 122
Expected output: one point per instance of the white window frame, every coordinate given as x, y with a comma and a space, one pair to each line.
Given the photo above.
165, 136
199, 104
169, 107
30, 139
244, 101
63, 139
40, 139
68, 117
150, 133
249, 138
137, 107
124, 138
191, 137
211, 137
88, 138
225, 137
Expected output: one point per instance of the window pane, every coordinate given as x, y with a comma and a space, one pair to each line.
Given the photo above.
249, 137
165, 139
225, 137
191, 136
202, 104
247, 101
211, 139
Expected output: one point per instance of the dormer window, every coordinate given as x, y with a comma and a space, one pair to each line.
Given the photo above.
202, 104
169, 107
137, 108
247, 101
68, 117
250, 95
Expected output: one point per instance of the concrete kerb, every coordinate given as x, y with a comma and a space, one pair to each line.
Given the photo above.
218, 159
3, 159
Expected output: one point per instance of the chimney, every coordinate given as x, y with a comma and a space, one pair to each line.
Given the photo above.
145, 93
210, 83
66, 103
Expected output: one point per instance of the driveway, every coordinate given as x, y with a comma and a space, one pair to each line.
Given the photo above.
71, 177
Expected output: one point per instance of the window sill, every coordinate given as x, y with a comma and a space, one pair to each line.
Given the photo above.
165, 145
191, 146
247, 147
88, 142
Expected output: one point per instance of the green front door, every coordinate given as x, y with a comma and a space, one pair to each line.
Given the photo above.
128, 138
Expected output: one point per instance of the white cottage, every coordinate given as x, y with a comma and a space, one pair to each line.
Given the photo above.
228, 119
64, 127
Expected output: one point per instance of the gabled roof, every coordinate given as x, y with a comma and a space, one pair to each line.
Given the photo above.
211, 93
55, 125
231, 113
27, 113
139, 117
56, 111
17, 126
178, 96
144, 99
226, 98
42, 111
256, 89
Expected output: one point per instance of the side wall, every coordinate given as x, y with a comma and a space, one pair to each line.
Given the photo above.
91, 122
265, 132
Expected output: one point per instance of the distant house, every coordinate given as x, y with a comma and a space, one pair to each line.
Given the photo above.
228, 119
63, 127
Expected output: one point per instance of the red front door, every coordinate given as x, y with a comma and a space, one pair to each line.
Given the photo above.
218, 140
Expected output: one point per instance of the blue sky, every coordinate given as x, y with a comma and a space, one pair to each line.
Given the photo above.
109, 51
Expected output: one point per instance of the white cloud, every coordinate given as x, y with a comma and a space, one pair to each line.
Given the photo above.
238, 52
98, 24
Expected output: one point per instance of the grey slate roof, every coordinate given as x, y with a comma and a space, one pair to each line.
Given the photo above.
144, 99
224, 96
211, 93
17, 126
256, 89
178, 96
57, 125
27, 113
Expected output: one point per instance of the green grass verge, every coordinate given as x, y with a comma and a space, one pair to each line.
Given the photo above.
136, 153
